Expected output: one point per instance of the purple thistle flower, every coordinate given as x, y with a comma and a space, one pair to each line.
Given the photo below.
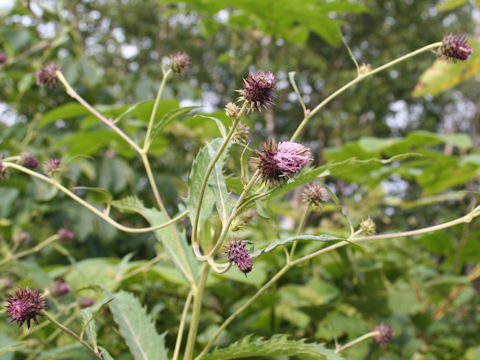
3, 58
4, 173
52, 167
179, 62
280, 162
454, 47
29, 160
237, 253
48, 75
258, 90
65, 235
25, 305
85, 302
315, 195
385, 334
60, 288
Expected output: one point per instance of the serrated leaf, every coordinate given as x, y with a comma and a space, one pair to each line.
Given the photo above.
277, 345
277, 243
137, 328
174, 244
89, 325
216, 191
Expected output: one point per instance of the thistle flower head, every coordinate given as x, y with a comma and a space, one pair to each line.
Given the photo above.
25, 305
60, 288
280, 162
52, 167
368, 227
85, 302
48, 75
315, 195
29, 160
237, 253
258, 90
4, 173
179, 62
3, 58
454, 47
385, 334
23, 237
65, 235
231, 110
240, 136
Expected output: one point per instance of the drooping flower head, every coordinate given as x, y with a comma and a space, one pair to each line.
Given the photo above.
315, 195
258, 90
29, 160
278, 163
4, 173
48, 75
3, 58
85, 302
237, 253
60, 288
65, 235
454, 47
385, 334
25, 305
179, 62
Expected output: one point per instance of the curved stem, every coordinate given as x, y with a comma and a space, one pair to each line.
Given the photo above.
86, 105
359, 78
148, 141
92, 208
33, 250
178, 342
72, 334
197, 307
299, 230
356, 341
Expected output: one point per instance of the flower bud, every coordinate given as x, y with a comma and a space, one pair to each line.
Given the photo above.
65, 235
48, 75
23, 237
3, 58
25, 305
315, 195
454, 47
368, 226
365, 69
52, 167
4, 173
258, 90
179, 62
29, 160
240, 136
85, 302
60, 288
237, 253
385, 334
231, 110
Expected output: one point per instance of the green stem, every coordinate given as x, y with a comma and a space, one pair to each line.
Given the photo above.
92, 208
178, 343
72, 334
33, 250
148, 141
356, 341
299, 230
109, 123
197, 307
359, 78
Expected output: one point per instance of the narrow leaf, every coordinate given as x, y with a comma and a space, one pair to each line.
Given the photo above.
137, 328
170, 117
89, 325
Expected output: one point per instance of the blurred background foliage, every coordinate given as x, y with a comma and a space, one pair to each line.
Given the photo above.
112, 52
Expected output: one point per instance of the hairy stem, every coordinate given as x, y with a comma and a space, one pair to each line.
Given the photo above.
359, 78
197, 307
93, 209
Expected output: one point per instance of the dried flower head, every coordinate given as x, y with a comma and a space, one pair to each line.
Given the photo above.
85, 302
4, 173
368, 226
231, 110
278, 163
454, 47
65, 235
240, 136
179, 62
25, 305
60, 288
385, 334
52, 167
258, 90
48, 75
3, 58
29, 160
237, 253
315, 195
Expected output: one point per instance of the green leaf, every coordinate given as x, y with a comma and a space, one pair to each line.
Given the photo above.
220, 125
445, 5
63, 112
105, 354
277, 345
11, 347
137, 328
276, 243
216, 191
89, 325
168, 118
73, 351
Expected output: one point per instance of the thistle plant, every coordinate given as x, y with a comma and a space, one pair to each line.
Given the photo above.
215, 214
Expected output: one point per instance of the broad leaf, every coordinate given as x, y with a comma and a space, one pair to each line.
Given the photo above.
277, 345
137, 328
